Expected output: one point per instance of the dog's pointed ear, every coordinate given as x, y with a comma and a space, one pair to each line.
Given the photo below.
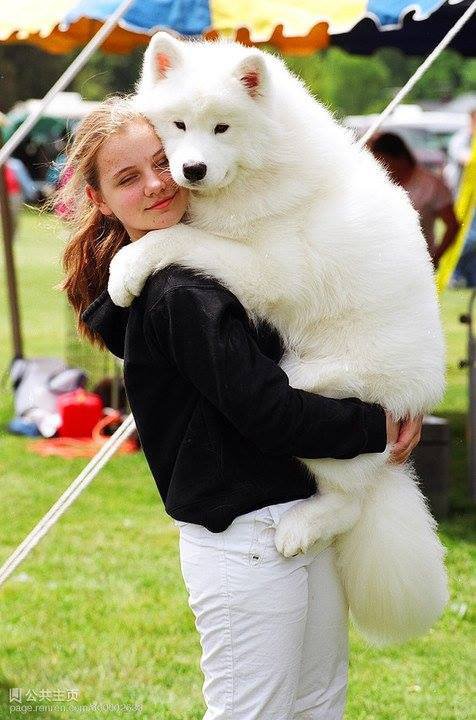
163, 53
252, 74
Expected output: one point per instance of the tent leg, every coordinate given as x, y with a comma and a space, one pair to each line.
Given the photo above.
470, 363
472, 400
7, 231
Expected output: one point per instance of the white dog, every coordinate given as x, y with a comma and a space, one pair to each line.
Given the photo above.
309, 232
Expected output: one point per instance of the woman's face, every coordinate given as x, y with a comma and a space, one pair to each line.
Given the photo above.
135, 184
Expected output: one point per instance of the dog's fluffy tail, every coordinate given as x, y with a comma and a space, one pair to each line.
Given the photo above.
392, 562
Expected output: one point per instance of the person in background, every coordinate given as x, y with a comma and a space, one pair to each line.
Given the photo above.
28, 185
20, 187
428, 193
56, 166
459, 151
459, 148
12, 182
14, 193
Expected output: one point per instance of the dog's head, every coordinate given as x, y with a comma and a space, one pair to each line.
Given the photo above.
208, 103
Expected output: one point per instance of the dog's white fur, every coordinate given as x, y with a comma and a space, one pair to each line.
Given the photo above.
309, 232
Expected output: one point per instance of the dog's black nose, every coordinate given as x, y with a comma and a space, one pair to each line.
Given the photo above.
194, 171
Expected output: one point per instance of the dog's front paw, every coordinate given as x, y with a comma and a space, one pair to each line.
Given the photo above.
294, 534
118, 291
127, 276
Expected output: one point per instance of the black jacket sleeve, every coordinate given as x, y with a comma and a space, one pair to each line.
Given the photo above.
109, 320
207, 335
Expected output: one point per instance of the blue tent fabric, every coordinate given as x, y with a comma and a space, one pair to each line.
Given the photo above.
188, 17
192, 17
390, 13
415, 37
415, 28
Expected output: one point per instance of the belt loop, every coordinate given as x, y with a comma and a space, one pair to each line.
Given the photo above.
266, 515
274, 512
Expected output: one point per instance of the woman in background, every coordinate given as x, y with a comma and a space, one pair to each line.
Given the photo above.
428, 193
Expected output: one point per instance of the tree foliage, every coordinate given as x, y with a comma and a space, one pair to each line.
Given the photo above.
351, 84
348, 84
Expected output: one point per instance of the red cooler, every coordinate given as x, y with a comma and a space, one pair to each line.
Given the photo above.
79, 410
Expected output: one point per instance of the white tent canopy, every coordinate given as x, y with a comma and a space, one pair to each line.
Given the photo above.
65, 105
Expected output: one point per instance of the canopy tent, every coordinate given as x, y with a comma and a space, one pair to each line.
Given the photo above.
301, 27
413, 35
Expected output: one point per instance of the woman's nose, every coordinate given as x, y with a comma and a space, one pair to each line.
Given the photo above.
154, 184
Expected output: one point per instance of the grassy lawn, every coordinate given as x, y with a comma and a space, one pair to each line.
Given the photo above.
100, 605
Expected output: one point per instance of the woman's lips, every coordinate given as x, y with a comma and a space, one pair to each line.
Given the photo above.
162, 204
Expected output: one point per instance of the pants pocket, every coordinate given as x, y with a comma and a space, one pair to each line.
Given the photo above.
262, 546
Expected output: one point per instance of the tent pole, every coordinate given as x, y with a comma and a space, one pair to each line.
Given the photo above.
7, 232
420, 71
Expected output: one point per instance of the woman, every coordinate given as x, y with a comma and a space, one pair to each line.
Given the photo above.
428, 194
221, 430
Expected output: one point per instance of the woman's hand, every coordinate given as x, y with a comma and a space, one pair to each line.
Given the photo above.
403, 437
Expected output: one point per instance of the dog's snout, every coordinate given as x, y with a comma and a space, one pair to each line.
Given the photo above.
194, 171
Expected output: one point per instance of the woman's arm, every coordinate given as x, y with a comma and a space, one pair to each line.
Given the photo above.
204, 331
452, 226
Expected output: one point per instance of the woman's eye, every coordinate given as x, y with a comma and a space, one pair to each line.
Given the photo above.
180, 125
126, 179
221, 129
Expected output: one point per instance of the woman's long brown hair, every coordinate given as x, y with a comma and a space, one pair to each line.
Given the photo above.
94, 238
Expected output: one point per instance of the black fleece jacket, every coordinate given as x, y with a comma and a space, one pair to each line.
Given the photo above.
220, 426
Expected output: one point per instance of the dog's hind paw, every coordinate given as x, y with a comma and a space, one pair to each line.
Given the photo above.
294, 535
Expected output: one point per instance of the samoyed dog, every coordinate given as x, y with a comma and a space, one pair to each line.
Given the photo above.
309, 232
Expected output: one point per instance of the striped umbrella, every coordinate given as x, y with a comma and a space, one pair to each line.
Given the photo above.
300, 27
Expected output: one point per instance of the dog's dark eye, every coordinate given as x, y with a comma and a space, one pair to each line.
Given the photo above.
180, 125
221, 129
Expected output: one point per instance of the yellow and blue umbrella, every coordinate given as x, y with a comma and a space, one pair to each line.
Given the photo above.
300, 27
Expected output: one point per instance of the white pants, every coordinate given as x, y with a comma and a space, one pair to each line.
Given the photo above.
273, 630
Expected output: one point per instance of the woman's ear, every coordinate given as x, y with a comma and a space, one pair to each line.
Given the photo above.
97, 199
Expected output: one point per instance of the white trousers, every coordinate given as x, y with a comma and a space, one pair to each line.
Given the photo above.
273, 630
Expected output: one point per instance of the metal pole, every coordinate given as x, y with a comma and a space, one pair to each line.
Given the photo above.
472, 399
470, 363
421, 70
7, 232
68, 497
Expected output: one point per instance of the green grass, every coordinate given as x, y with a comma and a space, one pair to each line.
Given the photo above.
100, 606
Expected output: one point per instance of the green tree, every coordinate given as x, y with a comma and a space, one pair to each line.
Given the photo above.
442, 81
105, 74
348, 84
468, 76
27, 72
